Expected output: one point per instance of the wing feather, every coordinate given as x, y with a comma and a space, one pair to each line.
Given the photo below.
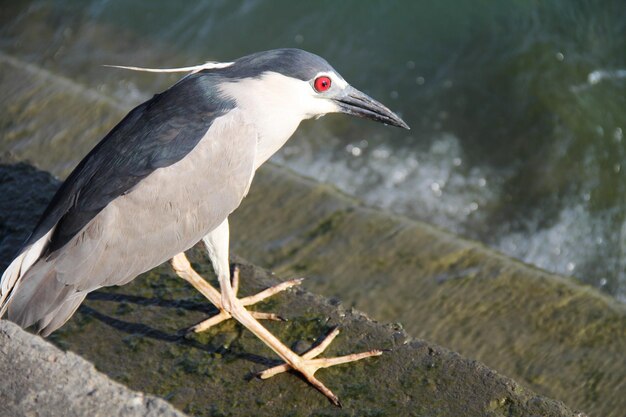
156, 134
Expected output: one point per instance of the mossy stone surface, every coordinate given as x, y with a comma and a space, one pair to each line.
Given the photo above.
40, 380
558, 337
133, 334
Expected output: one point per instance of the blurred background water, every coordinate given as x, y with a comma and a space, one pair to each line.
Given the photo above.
517, 108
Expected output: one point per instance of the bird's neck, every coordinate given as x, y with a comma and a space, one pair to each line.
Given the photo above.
271, 138
274, 118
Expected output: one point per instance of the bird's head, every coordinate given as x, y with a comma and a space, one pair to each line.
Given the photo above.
289, 83
277, 89
297, 84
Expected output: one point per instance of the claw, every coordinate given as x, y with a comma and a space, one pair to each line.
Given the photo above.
267, 316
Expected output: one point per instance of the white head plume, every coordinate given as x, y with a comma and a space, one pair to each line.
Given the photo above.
196, 68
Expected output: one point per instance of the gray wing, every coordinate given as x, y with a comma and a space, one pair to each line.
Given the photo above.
165, 213
156, 134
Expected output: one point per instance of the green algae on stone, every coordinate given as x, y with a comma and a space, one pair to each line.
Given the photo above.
209, 375
200, 374
559, 338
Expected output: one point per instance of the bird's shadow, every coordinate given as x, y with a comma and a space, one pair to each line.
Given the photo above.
181, 337
186, 305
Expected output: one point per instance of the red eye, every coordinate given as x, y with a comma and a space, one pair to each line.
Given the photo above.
322, 84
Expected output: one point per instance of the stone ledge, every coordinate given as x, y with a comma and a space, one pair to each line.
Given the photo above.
39, 379
131, 333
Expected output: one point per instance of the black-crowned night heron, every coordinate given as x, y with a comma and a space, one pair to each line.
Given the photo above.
167, 176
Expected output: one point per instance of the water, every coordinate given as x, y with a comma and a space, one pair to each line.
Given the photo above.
517, 108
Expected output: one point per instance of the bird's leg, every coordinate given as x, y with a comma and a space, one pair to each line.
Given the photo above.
217, 245
304, 364
183, 269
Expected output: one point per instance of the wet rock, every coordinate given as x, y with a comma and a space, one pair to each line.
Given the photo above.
20, 208
38, 379
132, 333
561, 339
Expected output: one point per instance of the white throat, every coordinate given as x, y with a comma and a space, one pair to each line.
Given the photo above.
275, 105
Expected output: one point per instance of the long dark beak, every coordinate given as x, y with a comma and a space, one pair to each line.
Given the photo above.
356, 103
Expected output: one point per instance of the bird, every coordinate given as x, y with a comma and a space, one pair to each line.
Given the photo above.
168, 176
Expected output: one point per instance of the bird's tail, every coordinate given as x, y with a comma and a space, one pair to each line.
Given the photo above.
30, 292
18, 268
8, 281
39, 298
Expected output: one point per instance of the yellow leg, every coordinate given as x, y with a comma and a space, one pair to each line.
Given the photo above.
323, 362
305, 364
183, 269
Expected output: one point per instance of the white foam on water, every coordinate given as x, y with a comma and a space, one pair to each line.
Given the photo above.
435, 186
599, 75
574, 241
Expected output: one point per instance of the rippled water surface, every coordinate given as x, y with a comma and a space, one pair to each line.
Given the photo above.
517, 108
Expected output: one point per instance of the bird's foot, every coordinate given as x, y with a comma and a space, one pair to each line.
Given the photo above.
307, 365
245, 301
